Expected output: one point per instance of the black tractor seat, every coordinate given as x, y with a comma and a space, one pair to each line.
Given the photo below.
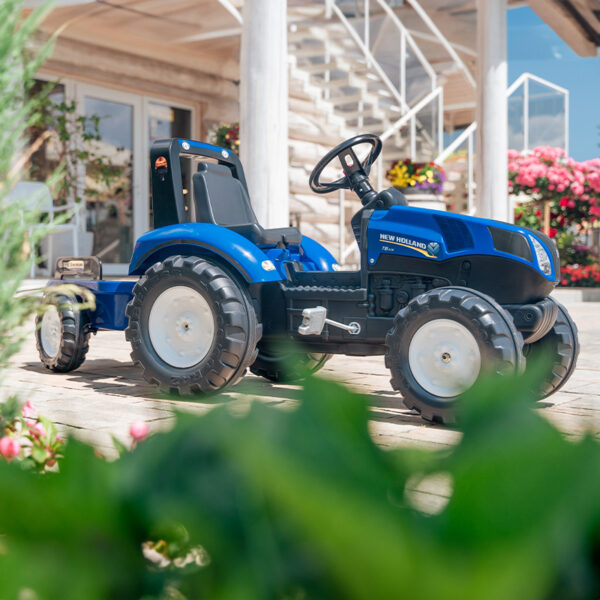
221, 199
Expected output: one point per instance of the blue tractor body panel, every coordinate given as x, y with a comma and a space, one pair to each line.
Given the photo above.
199, 239
438, 236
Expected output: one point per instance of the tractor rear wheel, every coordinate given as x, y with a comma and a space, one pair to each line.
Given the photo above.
192, 327
287, 367
560, 348
62, 333
443, 342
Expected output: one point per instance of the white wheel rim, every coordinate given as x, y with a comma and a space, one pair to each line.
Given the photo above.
444, 358
181, 326
50, 332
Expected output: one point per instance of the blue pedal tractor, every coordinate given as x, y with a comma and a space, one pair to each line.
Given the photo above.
446, 298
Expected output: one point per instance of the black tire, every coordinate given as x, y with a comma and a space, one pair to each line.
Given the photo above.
560, 346
73, 343
498, 341
236, 329
286, 368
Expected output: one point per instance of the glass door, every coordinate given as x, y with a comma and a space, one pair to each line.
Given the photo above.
113, 185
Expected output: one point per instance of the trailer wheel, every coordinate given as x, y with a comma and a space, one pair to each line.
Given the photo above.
287, 368
560, 346
62, 334
192, 327
442, 342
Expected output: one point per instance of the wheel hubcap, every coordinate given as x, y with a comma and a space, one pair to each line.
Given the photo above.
444, 357
181, 326
50, 332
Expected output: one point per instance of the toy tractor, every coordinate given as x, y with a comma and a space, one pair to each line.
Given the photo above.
446, 298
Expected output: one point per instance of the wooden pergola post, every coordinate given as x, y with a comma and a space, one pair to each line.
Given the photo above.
264, 109
492, 120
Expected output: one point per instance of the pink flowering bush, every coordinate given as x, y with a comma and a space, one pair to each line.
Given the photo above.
573, 190
571, 187
28, 437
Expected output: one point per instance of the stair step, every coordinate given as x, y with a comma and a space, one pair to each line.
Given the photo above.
311, 51
319, 67
331, 84
347, 99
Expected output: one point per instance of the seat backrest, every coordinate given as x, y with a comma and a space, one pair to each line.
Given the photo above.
220, 198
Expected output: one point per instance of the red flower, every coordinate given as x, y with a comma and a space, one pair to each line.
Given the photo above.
552, 232
564, 201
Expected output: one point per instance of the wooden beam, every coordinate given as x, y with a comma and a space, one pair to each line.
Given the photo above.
209, 35
102, 64
555, 14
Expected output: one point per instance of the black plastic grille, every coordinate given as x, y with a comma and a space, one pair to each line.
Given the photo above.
511, 242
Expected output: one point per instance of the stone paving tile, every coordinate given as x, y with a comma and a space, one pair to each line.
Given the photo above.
107, 393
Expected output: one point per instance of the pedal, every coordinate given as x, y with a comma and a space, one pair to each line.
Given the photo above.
315, 319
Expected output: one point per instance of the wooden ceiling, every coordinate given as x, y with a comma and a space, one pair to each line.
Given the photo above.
159, 29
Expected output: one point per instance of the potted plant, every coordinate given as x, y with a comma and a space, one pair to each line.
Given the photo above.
421, 182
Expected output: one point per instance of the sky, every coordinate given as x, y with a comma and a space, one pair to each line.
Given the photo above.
534, 47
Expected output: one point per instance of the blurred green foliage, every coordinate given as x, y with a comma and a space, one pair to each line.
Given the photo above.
302, 504
20, 226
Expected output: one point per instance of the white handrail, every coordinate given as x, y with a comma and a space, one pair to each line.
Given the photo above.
409, 38
517, 82
367, 53
410, 114
442, 156
511, 89
433, 27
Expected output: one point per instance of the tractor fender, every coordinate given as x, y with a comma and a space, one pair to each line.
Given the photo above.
197, 239
318, 254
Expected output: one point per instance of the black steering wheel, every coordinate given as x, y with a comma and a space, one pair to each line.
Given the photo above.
356, 174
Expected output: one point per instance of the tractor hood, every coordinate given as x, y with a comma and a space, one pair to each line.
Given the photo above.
511, 263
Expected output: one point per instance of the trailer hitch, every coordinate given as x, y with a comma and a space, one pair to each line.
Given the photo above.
315, 319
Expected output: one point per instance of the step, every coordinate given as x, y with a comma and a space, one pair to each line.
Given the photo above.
331, 84
311, 51
318, 67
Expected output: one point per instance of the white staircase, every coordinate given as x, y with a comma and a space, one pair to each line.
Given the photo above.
355, 68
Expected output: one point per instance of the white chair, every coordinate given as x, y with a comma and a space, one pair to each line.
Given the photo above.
33, 195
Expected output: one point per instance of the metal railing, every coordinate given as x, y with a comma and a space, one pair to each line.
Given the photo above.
468, 135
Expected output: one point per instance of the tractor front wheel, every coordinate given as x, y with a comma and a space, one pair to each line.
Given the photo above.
443, 342
192, 327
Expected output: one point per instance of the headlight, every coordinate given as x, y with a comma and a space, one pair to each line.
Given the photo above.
543, 258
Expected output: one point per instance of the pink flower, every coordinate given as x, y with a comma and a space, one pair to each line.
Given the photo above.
28, 411
9, 448
138, 430
38, 430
